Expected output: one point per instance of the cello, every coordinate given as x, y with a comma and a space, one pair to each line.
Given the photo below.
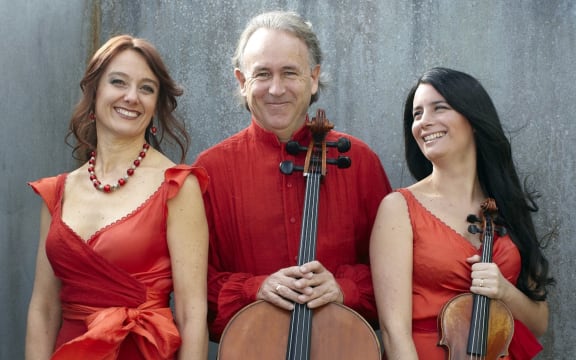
473, 326
332, 332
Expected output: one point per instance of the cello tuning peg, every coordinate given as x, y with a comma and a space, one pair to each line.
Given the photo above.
474, 229
343, 162
287, 167
293, 147
472, 218
342, 144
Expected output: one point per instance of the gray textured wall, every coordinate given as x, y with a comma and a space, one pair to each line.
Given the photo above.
522, 50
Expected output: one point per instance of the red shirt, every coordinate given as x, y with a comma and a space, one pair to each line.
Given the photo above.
255, 214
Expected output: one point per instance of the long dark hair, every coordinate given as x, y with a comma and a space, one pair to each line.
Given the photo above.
495, 166
83, 129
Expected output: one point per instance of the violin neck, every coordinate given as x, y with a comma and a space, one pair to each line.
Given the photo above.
478, 334
487, 243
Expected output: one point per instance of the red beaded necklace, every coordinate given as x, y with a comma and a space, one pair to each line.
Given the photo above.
122, 181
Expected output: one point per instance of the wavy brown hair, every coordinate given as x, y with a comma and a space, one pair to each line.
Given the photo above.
84, 130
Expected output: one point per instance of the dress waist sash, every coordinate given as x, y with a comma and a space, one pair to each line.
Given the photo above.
151, 325
425, 325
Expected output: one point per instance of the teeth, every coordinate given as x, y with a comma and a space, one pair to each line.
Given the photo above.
434, 136
126, 112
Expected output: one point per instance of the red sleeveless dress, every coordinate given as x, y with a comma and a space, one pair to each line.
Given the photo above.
440, 272
116, 286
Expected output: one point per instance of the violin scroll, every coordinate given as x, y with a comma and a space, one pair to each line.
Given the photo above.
488, 214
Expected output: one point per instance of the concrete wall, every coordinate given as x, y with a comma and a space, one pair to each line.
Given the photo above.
522, 50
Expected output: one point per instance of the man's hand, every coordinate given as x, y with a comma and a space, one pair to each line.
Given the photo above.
309, 284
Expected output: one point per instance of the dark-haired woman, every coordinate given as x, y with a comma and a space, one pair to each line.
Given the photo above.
421, 252
122, 232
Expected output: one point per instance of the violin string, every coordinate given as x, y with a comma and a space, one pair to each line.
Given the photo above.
487, 257
479, 339
475, 329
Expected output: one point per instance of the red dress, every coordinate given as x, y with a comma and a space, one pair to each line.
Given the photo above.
116, 286
440, 272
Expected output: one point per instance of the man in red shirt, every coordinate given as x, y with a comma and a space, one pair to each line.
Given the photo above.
255, 212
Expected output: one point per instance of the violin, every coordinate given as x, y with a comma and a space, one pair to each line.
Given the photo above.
473, 326
334, 331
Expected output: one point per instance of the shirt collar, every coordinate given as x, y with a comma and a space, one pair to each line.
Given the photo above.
301, 135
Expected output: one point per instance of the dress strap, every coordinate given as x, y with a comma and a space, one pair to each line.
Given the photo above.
50, 189
175, 177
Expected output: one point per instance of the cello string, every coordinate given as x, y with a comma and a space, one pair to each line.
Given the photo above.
315, 182
298, 316
302, 315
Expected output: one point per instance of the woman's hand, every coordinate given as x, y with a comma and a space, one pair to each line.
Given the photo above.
487, 279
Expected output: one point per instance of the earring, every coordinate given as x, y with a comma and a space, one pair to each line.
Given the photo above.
153, 130
91, 116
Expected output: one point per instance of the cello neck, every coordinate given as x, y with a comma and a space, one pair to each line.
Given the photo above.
299, 336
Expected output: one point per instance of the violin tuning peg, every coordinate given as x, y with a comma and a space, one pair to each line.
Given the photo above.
474, 229
501, 231
472, 218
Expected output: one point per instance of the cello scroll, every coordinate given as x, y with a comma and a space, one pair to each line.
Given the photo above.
319, 126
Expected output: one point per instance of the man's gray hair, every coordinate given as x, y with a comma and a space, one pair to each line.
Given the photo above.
285, 21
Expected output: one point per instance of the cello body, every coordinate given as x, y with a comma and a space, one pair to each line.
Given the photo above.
260, 331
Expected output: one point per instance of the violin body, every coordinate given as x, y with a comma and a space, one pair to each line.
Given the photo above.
454, 328
260, 331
